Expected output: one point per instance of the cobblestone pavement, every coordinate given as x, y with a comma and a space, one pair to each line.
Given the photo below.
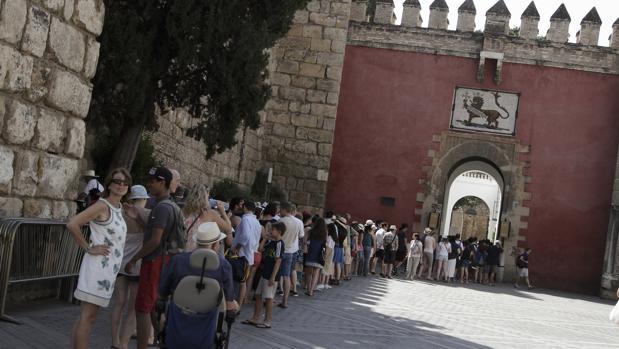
379, 313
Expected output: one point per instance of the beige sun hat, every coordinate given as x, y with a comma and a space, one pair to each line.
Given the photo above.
89, 174
208, 233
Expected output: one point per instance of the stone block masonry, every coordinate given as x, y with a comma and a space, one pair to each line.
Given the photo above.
48, 54
305, 75
187, 155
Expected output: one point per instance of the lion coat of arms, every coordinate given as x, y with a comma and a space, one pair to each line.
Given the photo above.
481, 110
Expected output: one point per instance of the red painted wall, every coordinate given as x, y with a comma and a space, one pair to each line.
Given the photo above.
392, 102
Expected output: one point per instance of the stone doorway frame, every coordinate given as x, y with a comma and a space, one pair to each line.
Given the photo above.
451, 149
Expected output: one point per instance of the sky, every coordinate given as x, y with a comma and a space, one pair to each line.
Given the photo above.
607, 9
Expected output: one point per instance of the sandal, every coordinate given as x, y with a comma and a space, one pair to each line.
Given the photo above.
249, 322
308, 294
282, 305
263, 325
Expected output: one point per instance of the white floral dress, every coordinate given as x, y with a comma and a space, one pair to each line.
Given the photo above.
98, 273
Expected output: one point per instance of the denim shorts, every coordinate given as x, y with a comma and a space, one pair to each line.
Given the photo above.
286, 267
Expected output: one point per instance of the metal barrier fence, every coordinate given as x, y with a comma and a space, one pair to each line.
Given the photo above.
34, 249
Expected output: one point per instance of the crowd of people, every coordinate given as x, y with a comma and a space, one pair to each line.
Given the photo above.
141, 242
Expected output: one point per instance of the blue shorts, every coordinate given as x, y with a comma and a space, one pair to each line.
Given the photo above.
338, 255
286, 267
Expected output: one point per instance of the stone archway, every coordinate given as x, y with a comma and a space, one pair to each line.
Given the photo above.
475, 164
507, 160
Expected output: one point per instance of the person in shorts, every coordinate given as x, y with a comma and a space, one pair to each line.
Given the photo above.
523, 268
160, 224
390, 245
271, 262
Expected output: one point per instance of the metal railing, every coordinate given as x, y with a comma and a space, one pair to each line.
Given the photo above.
33, 249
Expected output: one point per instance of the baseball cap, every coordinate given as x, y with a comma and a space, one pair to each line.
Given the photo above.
161, 172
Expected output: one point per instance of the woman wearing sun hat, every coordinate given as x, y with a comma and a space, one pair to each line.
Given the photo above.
127, 283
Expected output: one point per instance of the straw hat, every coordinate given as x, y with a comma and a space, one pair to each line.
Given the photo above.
208, 233
89, 174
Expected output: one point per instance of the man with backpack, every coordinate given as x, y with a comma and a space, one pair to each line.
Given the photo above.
163, 234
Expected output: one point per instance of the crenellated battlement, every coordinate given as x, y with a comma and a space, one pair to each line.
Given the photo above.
497, 20
525, 46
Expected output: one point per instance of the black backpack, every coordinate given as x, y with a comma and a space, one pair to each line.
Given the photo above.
176, 239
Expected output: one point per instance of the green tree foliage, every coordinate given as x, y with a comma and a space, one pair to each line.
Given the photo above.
209, 57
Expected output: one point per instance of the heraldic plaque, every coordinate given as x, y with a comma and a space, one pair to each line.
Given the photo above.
484, 111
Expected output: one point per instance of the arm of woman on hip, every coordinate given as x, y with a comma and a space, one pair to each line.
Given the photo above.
98, 211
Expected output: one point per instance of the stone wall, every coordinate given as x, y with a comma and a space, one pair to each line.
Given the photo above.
48, 54
305, 74
187, 155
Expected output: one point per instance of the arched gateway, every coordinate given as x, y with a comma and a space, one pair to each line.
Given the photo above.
497, 156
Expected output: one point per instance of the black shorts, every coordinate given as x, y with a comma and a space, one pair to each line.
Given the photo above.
389, 257
400, 255
379, 254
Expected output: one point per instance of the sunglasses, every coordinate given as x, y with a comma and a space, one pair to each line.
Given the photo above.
120, 181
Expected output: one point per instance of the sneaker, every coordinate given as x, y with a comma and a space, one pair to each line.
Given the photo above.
327, 287
516, 286
320, 287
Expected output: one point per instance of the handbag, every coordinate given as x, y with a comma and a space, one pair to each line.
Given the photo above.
238, 264
614, 314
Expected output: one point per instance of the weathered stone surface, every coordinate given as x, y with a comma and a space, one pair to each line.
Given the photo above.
6, 169
284, 130
280, 79
61, 210
3, 106
15, 69
50, 133
312, 31
76, 137
338, 46
39, 79
299, 107
325, 149
57, 176
328, 124
89, 15
316, 96
303, 81
305, 120
11, 207
69, 8
335, 34
301, 146
92, 58
19, 122
328, 85
69, 93
26, 173
299, 197
312, 70
289, 67
67, 44
53, 5
324, 110
35, 35
323, 45
292, 93
313, 134
38, 208
12, 20
300, 17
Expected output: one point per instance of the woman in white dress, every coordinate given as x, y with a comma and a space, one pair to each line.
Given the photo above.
104, 253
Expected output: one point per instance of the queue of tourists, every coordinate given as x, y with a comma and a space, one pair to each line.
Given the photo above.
143, 244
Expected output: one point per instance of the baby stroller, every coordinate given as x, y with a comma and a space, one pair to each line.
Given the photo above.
195, 314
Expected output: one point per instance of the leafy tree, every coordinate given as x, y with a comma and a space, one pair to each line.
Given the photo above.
208, 57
